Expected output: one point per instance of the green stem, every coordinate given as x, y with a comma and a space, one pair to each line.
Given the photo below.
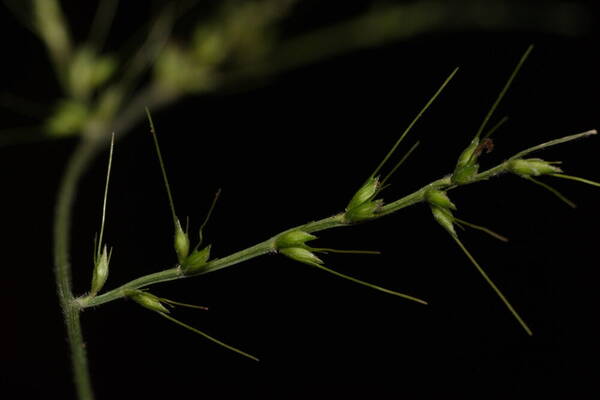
415, 197
82, 156
265, 247
92, 142
268, 246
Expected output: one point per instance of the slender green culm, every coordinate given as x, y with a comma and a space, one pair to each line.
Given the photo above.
367, 284
208, 214
481, 228
494, 128
552, 190
577, 179
104, 201
404, 158
162, 167
178, 303
414, 121
207, 336
491, 283
503, 91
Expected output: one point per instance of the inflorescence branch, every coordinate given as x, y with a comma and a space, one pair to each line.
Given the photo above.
363, 206
338, 220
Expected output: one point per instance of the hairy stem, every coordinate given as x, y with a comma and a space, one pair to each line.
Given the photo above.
92, 142
81, 157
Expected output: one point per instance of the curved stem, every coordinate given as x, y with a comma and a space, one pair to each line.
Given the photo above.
82, 156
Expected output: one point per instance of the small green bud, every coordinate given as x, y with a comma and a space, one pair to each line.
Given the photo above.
293, 239
364, 194
209, 46
182, 243
300, 254
68, 118
176, 71
465, 174
196, 260
100, 272
146, 300
468, 157
531, 167
466, 166
88, 71
365, 211
439, 198
445, 218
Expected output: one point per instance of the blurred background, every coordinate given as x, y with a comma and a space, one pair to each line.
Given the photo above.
287, 106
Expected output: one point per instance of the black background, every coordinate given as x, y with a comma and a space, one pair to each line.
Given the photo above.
292, 149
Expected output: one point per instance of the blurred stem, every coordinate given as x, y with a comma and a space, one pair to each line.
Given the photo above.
51, 26
388, 23
102, 22
146, 54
